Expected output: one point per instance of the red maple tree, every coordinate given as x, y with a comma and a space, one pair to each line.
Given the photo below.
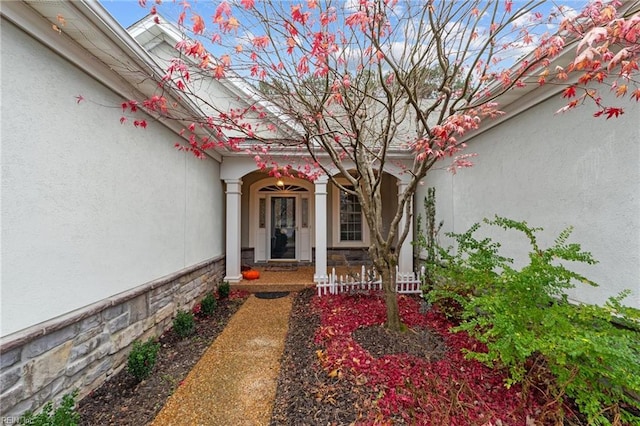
360, 83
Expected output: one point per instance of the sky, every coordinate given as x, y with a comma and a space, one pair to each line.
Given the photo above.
128, 12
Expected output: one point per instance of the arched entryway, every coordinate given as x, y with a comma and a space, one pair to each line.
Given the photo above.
293, 221
281, 220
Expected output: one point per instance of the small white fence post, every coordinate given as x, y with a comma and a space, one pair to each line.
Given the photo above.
406, 282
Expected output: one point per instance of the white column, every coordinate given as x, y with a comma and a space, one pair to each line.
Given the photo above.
405, 257
321, 228
234, 192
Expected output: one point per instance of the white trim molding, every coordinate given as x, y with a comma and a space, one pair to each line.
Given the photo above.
335, 218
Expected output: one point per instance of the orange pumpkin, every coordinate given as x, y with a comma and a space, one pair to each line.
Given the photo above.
251, 274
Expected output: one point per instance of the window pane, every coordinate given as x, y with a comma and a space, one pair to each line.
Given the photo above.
350, 217
305, 213
262, 215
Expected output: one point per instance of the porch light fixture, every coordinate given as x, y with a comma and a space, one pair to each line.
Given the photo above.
280, 183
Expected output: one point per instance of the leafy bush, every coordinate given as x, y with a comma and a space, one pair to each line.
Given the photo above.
524, 318
142, 358
208, 305
184, 323
457, 277
64, 415
224, 289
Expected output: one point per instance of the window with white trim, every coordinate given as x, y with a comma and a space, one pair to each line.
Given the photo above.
350, 217
348, 225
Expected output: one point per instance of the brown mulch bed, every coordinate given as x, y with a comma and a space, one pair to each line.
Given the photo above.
308, 395
305, 395
123, 401
379, 341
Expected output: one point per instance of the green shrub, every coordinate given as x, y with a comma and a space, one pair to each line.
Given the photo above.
184, 324
458, 277
142, 358
529, 327
223, 290
64, 415
208, 305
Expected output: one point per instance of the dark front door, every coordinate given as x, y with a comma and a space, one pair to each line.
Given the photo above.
283, 228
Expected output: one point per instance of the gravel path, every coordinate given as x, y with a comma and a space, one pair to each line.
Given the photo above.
234, 383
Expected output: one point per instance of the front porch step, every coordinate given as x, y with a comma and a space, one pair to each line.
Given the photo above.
257, 287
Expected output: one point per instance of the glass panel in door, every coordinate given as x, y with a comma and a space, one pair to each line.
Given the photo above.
283, 227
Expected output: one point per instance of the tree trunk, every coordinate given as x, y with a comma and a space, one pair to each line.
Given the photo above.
387, 270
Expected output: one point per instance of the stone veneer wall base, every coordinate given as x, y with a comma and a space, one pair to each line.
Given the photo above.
83, 348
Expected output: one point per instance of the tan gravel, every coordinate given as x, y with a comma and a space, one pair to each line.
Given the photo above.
234, 383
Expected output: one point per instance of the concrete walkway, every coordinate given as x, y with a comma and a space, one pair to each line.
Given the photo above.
234, 383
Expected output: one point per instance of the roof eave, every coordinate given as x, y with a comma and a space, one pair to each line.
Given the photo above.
89, 17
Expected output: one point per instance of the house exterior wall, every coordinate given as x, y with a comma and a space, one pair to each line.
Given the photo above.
555, 171
90, 208
107, 230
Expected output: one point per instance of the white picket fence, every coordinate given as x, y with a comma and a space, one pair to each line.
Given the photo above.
406, 282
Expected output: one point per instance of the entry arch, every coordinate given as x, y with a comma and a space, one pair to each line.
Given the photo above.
291, 196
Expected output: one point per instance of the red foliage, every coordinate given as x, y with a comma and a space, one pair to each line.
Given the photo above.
452, 391
610, 112
238, 294
197, 308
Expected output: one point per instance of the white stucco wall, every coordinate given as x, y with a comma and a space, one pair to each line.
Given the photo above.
555, 171
90, 207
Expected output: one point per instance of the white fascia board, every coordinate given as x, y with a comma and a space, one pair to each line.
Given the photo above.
148, 23
38, 27
236, 84
128, 43
519, 100
246, 90
34, 22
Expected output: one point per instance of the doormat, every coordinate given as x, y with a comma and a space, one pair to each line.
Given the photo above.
280, 268
272, 294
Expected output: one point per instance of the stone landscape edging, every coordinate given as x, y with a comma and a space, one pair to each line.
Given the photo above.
84, 347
